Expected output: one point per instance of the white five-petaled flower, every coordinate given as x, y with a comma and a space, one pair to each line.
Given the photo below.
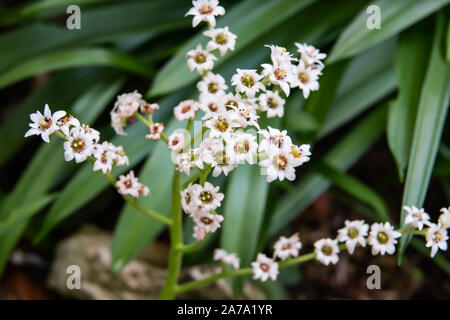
286, 247
327, 251
176, 141
208, 221
221, 123
280, 165
156, 130
207, 197
382, 238
301, 154
272, 103
187, 202
280, 74
212, 84
205, 10
248, 82
44, 124
222, 39
280, 55
310, 55
125, 106
199, 233
129, 184
104, 158
241, 147
353, 233
79, 145
307, 79
149, 108
274, 139
211, 104
444, 218
185, 110
66, 123
436, 238
227, 258
200, 60
416, 217
264, 268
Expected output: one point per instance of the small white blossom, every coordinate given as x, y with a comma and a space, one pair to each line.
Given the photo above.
310, 55
301, 154
205, 10
246, 115
211, 104
353, 233
209, 222
185, 110
248, 82
416, 218
125, 106
149, 108
436, 238
221, 39
241, 147
272, 103
187, 202
281, 75
327, 251
129, 184
156, 130
200, 60
104, 158
227, 258
212, 84
444, 218
176, 142
65, 124
79, 145
208, 196
199, 233
382, 238
307, 79
274, 139
44, 124
286, 247
221, 123
280, 165
264, 268
280, 55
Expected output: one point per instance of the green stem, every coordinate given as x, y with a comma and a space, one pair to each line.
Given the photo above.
176, 239
192, 247
141, 118
204, 174
192, 179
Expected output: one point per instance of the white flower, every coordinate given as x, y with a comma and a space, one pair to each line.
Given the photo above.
120, 158
279, 55
272, 103
222, 162
353, 234
44, 124
205, 10
248, 82
241, 147
231, 100
156, 130
327, 251
309, 54
184, 163
212, 84
211, 104
209, 222
307, 79
280, 165
246, 115
382, 238
301, 154
264, 268
185, 110
227, 258
221, 39
199, 233
104, 157
208, 196
281, 75
125, 106
220, 123
200, 60
149, 108
274, 139
436, 238
444, 218
66, 123
129, 184
286, 247
187, 202
176, 142
78, 145
416, 217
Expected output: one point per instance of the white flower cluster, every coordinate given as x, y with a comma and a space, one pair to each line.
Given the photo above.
265, 267
82, 142
436, 234
227, 114
227, 258
200, 202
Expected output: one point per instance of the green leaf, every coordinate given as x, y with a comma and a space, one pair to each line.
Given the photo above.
433, 107
248, 20
411, 61
74, 58
342, 157
244, 206
112, 22
364, 84
395, 16
448, 42
355, 188
301, 121
24, 212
